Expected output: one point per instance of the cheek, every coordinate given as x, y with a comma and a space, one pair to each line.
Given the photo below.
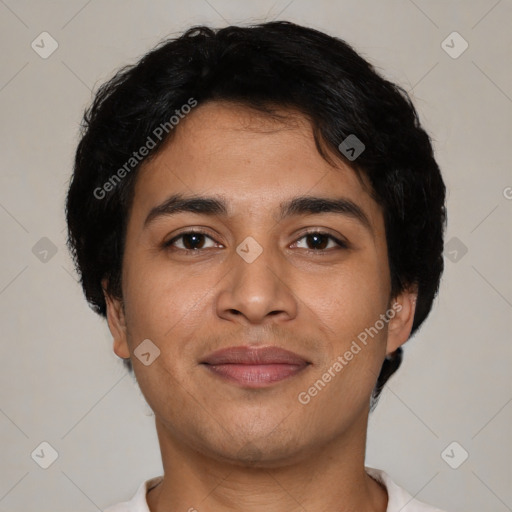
350, 313
350, 306
350, 298
162, 302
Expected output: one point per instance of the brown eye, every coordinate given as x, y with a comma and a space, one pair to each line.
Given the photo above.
317, 241
191, 241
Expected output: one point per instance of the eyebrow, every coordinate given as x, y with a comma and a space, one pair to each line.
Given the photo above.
301, 205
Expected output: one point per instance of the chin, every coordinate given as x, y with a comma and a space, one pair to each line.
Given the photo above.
261, 453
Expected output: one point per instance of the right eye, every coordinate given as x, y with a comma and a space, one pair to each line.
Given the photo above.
192, 241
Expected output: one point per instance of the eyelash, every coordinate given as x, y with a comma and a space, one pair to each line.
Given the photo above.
340, 243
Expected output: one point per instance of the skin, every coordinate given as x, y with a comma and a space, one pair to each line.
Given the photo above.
225, 447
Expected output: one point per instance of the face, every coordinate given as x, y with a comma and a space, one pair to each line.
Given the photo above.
255, 276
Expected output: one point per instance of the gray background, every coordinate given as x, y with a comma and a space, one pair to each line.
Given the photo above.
60, 381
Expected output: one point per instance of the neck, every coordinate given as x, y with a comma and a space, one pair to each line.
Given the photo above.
328, 477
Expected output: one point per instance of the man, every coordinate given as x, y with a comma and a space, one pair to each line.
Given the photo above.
259, 216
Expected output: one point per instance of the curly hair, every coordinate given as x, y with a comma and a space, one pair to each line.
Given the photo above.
268, 66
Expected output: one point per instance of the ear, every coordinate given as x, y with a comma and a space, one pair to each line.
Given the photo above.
116, 323
400, 326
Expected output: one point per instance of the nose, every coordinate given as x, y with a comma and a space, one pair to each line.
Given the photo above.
257, 291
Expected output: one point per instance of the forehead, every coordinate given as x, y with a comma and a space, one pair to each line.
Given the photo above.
249, 157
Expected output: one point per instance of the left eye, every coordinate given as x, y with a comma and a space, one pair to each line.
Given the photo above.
194, 241
318, 238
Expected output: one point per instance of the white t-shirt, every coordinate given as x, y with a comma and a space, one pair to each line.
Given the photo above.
399, 500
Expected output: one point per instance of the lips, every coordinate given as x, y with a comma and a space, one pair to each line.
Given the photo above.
254, 366
254, 356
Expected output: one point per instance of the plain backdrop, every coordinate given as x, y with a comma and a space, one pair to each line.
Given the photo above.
60, 381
